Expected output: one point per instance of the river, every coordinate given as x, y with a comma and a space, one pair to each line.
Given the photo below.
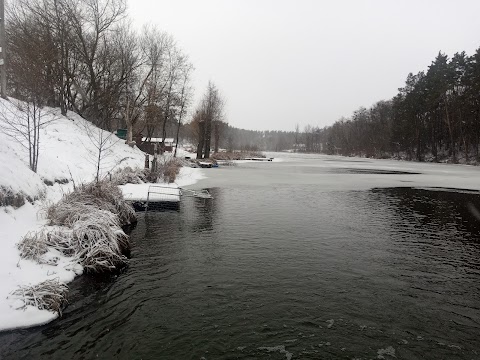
312, 257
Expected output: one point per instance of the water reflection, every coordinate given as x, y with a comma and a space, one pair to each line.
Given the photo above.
205, 210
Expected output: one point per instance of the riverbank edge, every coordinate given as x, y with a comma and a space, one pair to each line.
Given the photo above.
66, 268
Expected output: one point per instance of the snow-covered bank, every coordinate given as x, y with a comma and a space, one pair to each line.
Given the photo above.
16, 272
67, 154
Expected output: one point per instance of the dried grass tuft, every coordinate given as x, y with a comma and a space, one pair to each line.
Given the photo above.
61, 238
103, 195
89, 224
100, 242
128, 175
95, 239
33, 246
169, 169
48, 295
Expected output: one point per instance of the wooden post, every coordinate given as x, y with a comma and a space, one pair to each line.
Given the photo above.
147, 161
155, 154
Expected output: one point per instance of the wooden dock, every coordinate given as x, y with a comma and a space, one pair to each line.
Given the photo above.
159, 197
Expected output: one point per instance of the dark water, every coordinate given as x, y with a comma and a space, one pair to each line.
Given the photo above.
283, 271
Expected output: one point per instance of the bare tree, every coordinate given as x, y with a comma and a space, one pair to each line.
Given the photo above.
91, 22
103, 141
183, 100
210, 112
22, 121
154, 48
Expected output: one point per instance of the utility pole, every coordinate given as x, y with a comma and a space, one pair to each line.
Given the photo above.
3, 71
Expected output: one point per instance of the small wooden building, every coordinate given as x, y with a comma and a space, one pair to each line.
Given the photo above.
148, 145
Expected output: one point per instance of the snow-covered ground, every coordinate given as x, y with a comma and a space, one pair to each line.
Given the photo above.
67, 153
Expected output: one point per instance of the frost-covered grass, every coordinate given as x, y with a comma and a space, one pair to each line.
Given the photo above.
33, 246
102, 195
86, 226
130, 175
91, 217
48, 295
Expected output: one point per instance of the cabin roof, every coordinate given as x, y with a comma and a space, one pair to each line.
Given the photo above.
159, 140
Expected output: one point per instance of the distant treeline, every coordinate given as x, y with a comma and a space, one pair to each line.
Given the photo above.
233, 138
434, 117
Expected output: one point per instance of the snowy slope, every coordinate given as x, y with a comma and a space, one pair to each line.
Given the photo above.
66, 152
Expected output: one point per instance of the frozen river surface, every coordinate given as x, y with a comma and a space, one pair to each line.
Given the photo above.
311, 257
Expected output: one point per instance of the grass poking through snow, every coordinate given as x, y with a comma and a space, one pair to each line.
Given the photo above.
86, 225
48, 295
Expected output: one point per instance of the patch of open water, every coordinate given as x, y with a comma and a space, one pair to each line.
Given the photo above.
289, 270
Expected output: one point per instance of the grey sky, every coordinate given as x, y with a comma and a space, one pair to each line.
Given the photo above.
281, 62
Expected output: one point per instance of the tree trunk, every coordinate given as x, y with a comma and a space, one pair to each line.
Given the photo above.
128, 121
208, 135
217, 136
177, 135
201, 139
450, 131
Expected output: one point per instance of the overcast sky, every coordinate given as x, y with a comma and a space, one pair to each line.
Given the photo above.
280, 62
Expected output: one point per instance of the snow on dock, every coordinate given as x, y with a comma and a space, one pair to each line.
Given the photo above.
158, 196
151, 192
152, 196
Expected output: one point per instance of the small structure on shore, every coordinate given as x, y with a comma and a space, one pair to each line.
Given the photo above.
149, 145
159, 197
